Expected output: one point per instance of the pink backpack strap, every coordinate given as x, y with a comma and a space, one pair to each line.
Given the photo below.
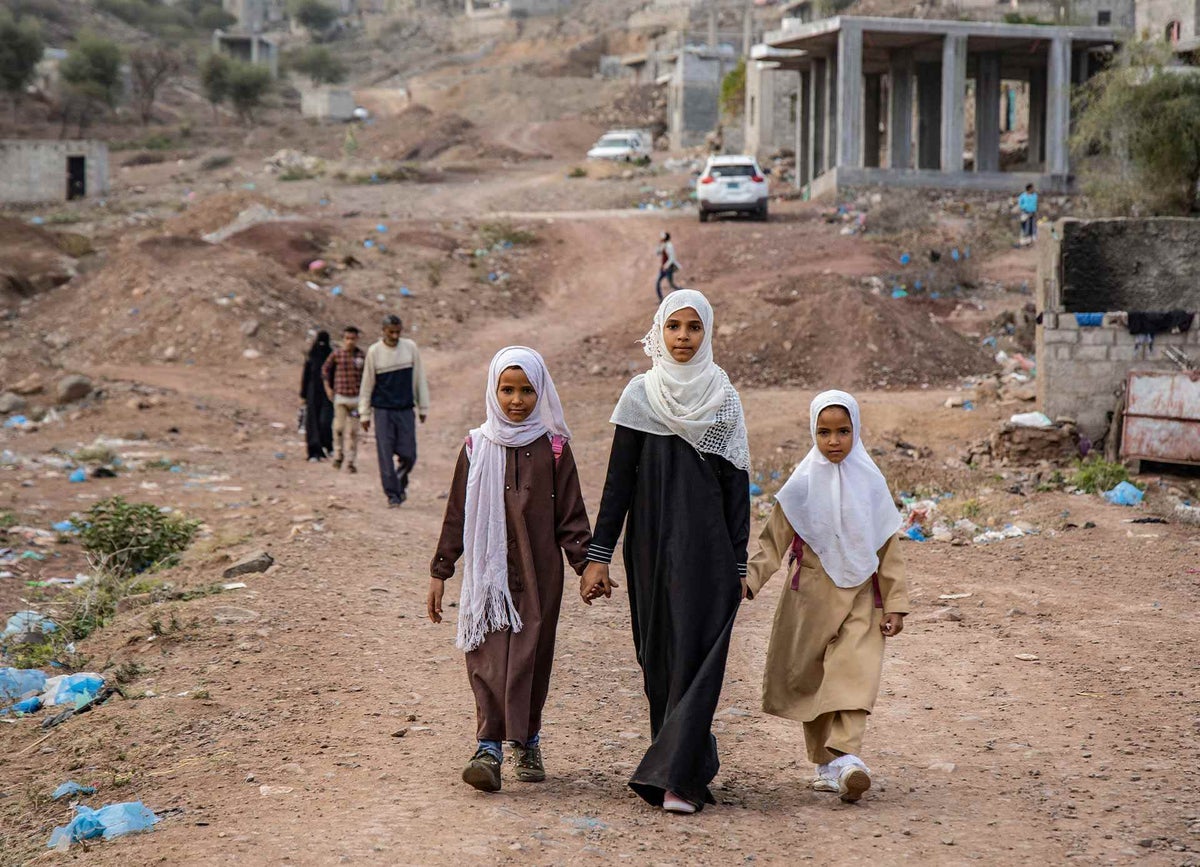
470, 445
797, 557
557, 442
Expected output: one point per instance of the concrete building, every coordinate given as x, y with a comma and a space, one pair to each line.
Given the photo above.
52, 171
327, 103
516, 8
869, 82
694, 94
1110, 267
249, 48
772, 103
1172, 20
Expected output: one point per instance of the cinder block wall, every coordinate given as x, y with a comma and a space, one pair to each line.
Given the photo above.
34, 171
1081, 368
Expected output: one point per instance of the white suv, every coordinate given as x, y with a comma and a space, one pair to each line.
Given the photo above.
629, 145
732, 184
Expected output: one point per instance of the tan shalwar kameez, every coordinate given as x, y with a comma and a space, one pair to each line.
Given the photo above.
825, 655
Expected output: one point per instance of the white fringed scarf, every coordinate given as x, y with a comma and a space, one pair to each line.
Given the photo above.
694, 399
843, 512
486, 605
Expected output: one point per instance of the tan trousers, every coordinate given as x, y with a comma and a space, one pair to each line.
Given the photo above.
345, 428
834, 734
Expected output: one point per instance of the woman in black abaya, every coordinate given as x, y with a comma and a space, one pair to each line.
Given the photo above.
318, 409
678, 481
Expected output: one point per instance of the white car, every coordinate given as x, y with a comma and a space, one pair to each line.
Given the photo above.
628, 145
732, 184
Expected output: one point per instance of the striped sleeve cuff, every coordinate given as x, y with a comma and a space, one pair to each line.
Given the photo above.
741, 569
599, 553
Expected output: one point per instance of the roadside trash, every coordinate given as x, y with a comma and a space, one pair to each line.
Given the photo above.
18, 682
1089, 320
64, 527
72, 788
336, 291
585, 823
381, 228
1124, 494
404, 292
33, 555
905, 258
1009, 532
80, 475
915, 534
1031, 419
26, 621
30, 705
368, 243
755, 490
267, 791
72, 689
311, 285
899, 293
113, 820
1027, 657
15, 421
234, 585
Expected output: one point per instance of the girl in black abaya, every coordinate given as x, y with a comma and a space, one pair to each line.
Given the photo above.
678, 481
318, 409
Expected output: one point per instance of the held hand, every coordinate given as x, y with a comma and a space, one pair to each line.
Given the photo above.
595, 583
746, 590
892, 625
422, 417
366, 425
433, 601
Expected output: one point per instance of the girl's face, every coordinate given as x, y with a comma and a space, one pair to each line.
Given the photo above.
683, 333
835, 433
516, 395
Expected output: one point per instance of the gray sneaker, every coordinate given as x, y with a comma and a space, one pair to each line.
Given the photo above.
483, 772
529, 763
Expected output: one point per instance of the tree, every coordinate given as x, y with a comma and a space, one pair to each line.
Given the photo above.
91, 75
214, 78
318, 63
1137, 134
248, 83
152, 66
316, 16
20, 50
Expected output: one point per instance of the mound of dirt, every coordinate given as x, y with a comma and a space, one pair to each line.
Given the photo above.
215, 212
804, 332
420, 134
292, 244
32, 260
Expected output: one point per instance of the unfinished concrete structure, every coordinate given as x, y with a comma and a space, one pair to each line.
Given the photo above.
1175, 21
327, 103
1103, 270
249, 48
694, 94
867, 82
34, 170
772, 104
516, 8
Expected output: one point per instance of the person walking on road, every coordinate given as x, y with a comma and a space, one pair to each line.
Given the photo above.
342, 374
667, 265
393, 385
318, 408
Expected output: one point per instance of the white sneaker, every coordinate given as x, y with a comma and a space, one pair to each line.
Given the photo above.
854, 778
672, 803
826, 779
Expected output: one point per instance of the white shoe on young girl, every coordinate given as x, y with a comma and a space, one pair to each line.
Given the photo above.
672, 803
826, 779
853, 778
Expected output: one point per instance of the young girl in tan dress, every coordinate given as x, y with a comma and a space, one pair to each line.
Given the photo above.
835, 520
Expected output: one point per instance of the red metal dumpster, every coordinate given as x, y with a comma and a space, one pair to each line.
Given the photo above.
1162, 416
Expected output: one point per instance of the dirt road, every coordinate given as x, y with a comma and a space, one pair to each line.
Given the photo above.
316, 717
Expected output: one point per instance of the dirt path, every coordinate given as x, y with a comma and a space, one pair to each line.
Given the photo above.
304, 681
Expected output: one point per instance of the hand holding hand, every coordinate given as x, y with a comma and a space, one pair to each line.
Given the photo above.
422, 417
433, 601
366, 425
892, 625
595, 583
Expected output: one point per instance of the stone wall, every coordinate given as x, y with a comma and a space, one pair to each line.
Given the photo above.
1152, 16
1081, 367
770, 120
36, 171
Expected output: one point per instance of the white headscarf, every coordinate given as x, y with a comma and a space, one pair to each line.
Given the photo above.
844, 512
486, 605
693, 399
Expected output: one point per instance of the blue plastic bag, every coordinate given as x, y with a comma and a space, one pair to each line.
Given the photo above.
915, 534
30, 705
755, 490
71, 788
26, 621
80, 475
110, 821
73, 689
16, 682
1124, 494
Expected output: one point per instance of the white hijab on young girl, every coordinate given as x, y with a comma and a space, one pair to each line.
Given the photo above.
693, 399
844, 512
486, 605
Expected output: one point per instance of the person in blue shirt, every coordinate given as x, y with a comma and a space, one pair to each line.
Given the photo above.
1027, 203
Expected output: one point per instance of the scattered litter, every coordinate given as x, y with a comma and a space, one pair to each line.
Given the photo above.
29, 705
317, 265
73, 689
26, 621
755, 490
915, 534
64, 527
1027, 657
267, 791
80, 475
1010, 531
235, 585
336, 291
1031, 419
584, 823
951, 596
72, 788
405, 292
16, 683
113, 820
1124, 494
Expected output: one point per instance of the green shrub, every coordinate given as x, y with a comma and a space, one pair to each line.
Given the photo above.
1096, 474
502, 230
128, 538
733, 89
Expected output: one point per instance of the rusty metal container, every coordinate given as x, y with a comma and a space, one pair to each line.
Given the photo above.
1162, 416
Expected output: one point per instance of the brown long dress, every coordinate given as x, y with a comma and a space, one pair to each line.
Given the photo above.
510, 671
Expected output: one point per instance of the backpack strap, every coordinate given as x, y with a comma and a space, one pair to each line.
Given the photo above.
557, 441
470, 445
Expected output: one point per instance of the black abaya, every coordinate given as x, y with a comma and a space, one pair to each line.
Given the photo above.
318, 410
685, 548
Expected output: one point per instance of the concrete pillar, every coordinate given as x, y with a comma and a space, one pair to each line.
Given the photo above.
954, 85
747, 30
254, 49
817, 103
900, 88
872, 116
1058, 106
712, 27
1037, 118
850, 98
929, 116
831, 112
987, 112
804, 130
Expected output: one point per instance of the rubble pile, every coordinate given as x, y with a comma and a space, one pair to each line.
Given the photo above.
1021, 445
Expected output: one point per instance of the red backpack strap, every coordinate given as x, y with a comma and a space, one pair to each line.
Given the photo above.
797, 557
557, 442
